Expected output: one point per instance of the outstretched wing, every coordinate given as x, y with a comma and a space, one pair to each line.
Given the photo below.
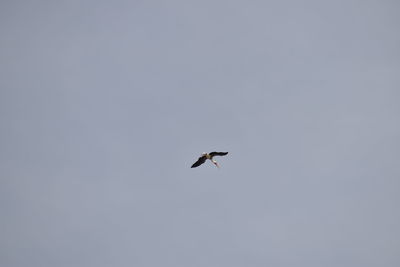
212, 154
200, 161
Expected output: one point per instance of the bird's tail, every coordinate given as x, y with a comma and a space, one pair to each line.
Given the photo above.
215, 163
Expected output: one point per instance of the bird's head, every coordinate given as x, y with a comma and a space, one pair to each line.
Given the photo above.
204, 153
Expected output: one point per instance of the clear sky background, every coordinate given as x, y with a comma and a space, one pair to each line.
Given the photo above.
104, 105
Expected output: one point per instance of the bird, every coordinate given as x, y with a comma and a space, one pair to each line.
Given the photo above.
204, 156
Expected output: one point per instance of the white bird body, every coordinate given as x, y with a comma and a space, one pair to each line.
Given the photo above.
209, 156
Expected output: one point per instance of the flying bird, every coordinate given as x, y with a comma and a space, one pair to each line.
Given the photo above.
209, 156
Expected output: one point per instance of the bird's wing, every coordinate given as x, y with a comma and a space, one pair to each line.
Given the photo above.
212, 154
200, 161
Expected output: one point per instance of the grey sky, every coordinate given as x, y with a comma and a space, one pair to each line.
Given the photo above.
104, 105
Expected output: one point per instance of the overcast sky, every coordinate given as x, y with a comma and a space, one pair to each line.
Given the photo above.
104, 106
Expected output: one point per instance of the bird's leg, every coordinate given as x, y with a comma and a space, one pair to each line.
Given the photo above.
215, 163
